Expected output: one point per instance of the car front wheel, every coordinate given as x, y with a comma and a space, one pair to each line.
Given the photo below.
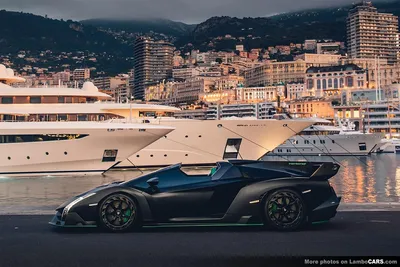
118, 213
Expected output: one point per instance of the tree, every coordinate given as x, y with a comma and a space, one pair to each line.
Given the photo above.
218, 60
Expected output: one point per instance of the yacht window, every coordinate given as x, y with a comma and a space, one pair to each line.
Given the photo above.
62, 117
232, 148
35, 100
7, 100
362, 146
4, 139
61, 99
82, 117
110, 155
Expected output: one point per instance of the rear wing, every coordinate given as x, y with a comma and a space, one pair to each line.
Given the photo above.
325, 171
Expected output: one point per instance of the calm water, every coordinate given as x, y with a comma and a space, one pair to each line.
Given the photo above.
375, 179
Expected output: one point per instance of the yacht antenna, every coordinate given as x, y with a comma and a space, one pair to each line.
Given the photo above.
130, 109
379, 80
376, 79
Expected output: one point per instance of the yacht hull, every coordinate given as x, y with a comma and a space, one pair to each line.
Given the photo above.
334, 145
388, 146
98, 147
204, 142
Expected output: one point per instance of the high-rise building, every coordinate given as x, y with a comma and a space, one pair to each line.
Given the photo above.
81, 74
372, 34
153, 62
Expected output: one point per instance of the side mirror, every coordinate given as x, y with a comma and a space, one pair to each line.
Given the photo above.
153, 181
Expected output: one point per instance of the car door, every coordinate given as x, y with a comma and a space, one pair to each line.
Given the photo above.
199, 199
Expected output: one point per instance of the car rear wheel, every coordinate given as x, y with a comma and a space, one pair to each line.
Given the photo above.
285, 210
118, 213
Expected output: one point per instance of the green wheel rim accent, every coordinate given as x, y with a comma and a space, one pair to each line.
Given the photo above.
127, 215
274, 207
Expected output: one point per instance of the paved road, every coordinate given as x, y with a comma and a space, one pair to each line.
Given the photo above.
30, 241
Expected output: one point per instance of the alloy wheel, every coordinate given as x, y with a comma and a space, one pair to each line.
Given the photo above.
118, 212
285, 210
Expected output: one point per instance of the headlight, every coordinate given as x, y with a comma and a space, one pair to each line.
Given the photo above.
73, 203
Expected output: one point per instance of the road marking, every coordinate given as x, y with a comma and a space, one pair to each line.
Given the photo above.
376, 221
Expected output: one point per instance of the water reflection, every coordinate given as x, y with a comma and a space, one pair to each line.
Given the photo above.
374, 178
377, 179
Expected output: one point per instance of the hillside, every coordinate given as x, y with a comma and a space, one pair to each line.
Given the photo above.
107, 44
282, 29
162, 26
22, 31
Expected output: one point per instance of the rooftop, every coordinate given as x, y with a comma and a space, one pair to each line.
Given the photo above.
347, 67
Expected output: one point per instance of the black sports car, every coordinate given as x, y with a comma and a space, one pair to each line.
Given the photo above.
284, 195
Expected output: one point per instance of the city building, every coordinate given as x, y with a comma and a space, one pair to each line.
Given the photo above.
310, 45
62, 77
258, 94
272, 73
153, 62
331, 81
103, 83
162, 91
264, 110
222, 97
228, 82
331, 48
319, 59
189, 91
380, 74
120, 85
240, 48
311, 106
372, 34
178, 91
194, 114
185, 73
295, 91
81, 74
361, 96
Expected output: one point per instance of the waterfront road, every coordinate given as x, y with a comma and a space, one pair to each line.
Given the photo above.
28, 240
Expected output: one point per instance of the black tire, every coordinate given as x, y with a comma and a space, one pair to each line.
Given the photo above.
284, 210
118, 213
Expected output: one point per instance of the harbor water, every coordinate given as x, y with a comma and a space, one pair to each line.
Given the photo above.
368, 179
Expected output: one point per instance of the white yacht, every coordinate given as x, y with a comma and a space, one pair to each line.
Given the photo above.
193, 142
384, 117
389, 145
59, 148
323, 138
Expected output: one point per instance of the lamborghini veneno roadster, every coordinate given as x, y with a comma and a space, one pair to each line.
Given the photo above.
281, 195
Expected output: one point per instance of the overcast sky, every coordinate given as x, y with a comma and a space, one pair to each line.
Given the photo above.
189, 11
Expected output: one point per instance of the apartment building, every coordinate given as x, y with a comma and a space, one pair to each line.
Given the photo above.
372, 34
153, 62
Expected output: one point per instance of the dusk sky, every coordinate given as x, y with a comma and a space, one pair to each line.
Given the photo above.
189, 11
